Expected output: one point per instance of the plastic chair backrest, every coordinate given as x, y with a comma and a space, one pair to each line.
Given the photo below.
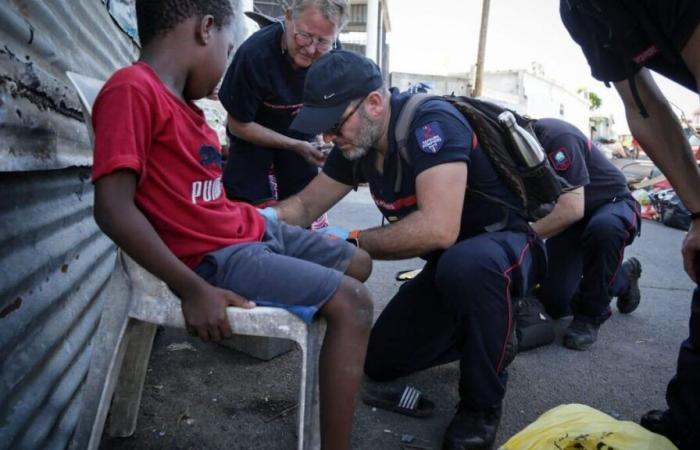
87, 88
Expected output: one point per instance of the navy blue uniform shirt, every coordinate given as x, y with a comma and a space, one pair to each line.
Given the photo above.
261, 86
618, 45
439, 134
579, 161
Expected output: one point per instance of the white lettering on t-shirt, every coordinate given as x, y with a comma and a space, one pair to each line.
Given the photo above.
207, 190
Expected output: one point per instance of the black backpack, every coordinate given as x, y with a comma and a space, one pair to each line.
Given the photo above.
538, 187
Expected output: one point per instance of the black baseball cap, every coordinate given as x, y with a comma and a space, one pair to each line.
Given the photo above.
332, 82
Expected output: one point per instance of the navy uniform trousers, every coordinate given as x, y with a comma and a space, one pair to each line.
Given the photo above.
584, 262
459, 308
683, 392
246, 174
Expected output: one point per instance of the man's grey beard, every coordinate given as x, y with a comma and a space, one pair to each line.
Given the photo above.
355, 153
368, 135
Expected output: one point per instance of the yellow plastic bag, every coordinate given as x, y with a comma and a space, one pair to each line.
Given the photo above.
580, 427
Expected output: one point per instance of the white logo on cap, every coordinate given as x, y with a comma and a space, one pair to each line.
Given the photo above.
326, 97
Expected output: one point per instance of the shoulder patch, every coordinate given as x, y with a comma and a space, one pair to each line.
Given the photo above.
430, 137
560, 159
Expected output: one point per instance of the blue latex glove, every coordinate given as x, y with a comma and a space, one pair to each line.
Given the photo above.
340, 233
269, 213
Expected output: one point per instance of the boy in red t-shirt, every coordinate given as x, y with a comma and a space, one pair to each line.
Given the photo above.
158, 195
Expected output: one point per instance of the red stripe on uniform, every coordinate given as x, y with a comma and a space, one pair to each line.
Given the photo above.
506, 275
273, 106
398, 204
621, 255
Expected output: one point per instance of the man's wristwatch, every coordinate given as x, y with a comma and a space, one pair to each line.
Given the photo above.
695, 215
354, 238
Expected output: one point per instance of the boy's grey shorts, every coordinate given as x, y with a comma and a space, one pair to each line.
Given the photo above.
291, 268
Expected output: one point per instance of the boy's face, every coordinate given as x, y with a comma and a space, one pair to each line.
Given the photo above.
215, 53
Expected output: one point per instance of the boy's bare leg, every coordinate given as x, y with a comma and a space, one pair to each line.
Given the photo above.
349, 317
360, 266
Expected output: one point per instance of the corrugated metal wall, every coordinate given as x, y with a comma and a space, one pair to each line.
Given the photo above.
54, 262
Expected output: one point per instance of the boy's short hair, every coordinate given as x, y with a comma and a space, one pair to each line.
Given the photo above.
155, 17
335, 11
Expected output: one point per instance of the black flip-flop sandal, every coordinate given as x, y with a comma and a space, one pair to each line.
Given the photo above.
409, 401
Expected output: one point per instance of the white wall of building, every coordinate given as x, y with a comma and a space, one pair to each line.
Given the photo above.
537, 96
522, 91
442, 85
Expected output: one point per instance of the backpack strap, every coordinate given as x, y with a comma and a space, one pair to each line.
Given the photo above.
402, 128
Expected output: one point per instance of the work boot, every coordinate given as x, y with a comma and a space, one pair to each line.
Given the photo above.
654, 422
628, 302
472, 430
581, 334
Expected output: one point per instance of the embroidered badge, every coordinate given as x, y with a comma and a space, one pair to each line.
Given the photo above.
430, 137
560, 159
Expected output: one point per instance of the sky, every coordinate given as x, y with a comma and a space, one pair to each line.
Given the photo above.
441, 37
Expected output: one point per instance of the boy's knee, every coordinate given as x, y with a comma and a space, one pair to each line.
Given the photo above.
360, 266
352, 301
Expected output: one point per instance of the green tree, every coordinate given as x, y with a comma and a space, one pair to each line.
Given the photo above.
594, 99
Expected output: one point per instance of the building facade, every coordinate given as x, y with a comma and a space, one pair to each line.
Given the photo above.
522, 91
537, 96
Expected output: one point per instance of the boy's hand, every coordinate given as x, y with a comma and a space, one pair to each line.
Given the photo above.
205, 312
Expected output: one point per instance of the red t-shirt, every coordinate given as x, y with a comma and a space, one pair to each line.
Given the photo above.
141, 126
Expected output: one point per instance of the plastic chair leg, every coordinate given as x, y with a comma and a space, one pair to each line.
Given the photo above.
127, 395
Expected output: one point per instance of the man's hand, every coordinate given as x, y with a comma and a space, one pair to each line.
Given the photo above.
691, 251
205, 311
338, 232
310, 153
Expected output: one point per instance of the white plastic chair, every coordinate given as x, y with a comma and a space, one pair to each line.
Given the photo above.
136, 302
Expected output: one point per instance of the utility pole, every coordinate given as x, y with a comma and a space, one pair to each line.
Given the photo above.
486, 4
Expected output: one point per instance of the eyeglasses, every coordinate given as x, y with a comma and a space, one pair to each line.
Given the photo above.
304, 39
335, 129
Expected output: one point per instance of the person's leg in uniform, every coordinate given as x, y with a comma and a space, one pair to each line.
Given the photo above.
564, 268
459, 309
552, 297
609, 229
293, 173
680, 421
480, 276
415, 331
246, 175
